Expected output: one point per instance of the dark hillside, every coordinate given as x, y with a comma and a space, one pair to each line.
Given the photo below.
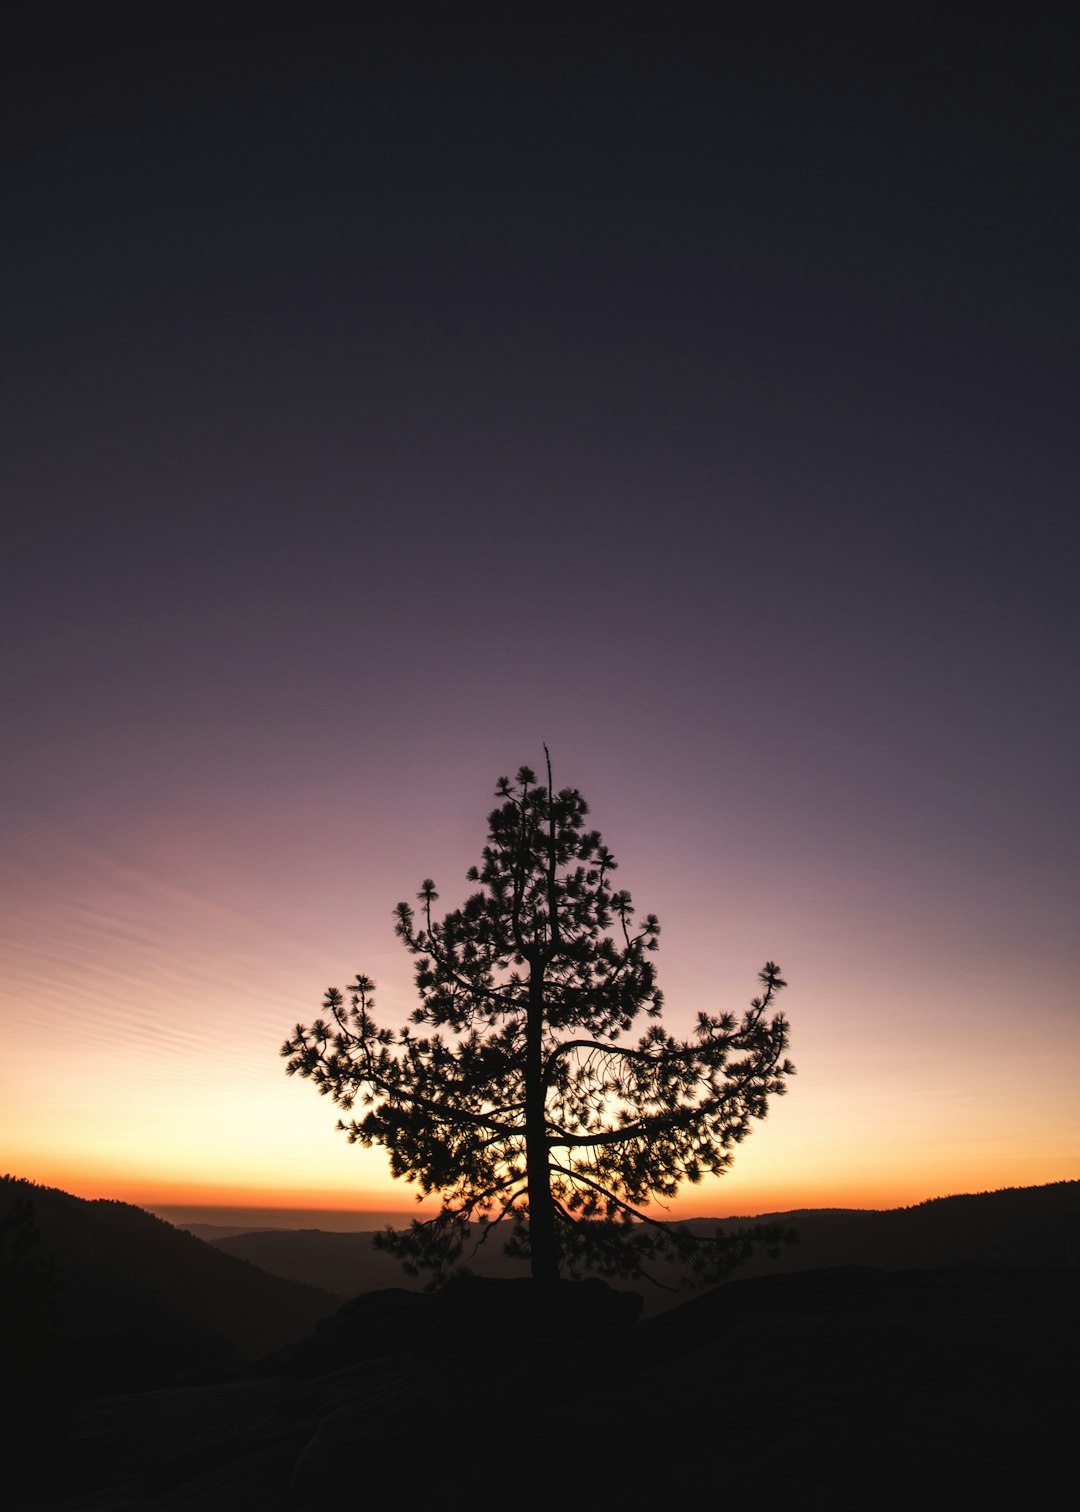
841, 1389
132, 1299
1019, 1226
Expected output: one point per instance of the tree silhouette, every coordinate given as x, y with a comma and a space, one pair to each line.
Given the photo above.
521, 1101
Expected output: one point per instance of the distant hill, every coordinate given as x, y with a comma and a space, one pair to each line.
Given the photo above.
121, 1298
342, 1263
345, 1263
1017, 1226
216, 1222
1022, 1226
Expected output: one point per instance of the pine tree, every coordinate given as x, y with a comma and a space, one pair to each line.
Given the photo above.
517, 1095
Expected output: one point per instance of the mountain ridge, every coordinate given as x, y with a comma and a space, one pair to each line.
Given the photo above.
126, 1298
1013, 1226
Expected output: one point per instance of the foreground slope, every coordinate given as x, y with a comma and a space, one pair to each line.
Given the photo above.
119, 1297
845, 1388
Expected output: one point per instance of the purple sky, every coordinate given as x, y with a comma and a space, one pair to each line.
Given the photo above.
381, 406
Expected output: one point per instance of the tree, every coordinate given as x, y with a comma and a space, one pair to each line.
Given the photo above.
522, 1101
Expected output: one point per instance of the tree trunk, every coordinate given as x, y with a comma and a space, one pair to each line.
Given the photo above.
543, 1245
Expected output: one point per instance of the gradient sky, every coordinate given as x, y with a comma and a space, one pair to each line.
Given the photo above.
381, 404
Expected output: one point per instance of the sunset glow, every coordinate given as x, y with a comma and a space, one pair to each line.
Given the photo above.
375, 421
163, 1002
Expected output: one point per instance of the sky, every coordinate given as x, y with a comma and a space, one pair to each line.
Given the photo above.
384, 400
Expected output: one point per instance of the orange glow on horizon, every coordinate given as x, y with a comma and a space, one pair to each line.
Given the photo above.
93, 1182
721, 1199
162, 1085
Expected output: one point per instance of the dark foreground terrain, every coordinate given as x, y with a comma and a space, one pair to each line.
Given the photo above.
101, 1296
145, 1369
848, 1387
